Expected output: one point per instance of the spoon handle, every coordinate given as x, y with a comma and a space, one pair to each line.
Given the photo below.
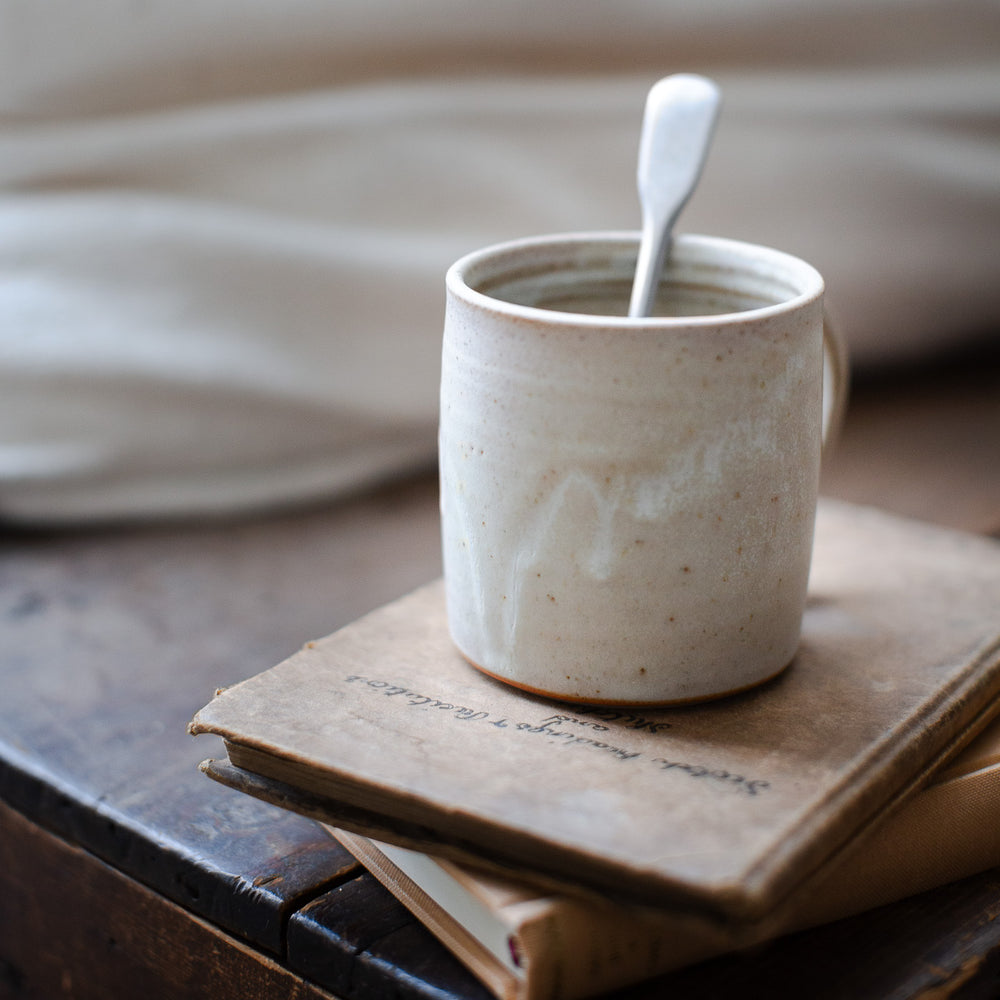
677, 127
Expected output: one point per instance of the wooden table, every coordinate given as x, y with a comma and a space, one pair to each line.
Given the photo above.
125, 873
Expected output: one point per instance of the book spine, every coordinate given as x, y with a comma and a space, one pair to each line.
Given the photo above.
571, 949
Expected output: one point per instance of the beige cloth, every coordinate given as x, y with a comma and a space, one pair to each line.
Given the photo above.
225, 224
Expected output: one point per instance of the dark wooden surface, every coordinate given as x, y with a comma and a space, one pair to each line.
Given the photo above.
74, 926
125, 872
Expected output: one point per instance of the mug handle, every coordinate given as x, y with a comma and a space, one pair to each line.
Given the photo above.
836, 379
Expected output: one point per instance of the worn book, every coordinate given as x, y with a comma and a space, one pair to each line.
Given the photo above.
526, 944
719, 810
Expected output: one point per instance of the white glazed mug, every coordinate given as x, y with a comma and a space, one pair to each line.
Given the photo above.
628, 504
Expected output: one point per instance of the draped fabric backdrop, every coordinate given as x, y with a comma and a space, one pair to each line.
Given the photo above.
224, 224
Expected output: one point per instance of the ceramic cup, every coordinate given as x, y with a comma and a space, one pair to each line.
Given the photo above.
628, 504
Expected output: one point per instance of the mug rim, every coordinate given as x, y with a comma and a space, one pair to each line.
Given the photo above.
798, 271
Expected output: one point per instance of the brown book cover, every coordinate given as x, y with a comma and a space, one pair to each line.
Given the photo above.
526, 944
721, 809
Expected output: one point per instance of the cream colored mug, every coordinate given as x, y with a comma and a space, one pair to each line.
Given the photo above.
628, 504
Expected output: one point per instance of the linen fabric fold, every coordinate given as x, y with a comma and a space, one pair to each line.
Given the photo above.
225, 225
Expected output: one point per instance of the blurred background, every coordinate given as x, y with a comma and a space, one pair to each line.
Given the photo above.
225, 225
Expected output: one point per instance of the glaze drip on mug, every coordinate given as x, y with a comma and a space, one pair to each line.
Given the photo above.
628, 505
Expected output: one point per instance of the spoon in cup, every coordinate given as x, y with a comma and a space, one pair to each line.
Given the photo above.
677, 127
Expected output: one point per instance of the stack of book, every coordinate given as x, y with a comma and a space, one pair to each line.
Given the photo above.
526, 832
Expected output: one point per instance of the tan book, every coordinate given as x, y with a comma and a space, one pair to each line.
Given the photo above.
720, 810
527, 944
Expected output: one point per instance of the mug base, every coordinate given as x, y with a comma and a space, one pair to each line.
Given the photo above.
626, 702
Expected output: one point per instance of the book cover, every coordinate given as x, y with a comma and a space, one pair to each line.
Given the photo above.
720, 809
524, 944
528, 944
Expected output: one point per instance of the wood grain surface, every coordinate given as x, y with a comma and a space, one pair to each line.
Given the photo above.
74, 926
112, 842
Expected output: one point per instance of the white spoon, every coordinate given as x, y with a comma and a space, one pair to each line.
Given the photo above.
676, 131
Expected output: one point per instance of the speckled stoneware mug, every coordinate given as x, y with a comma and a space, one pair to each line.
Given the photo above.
628, 504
